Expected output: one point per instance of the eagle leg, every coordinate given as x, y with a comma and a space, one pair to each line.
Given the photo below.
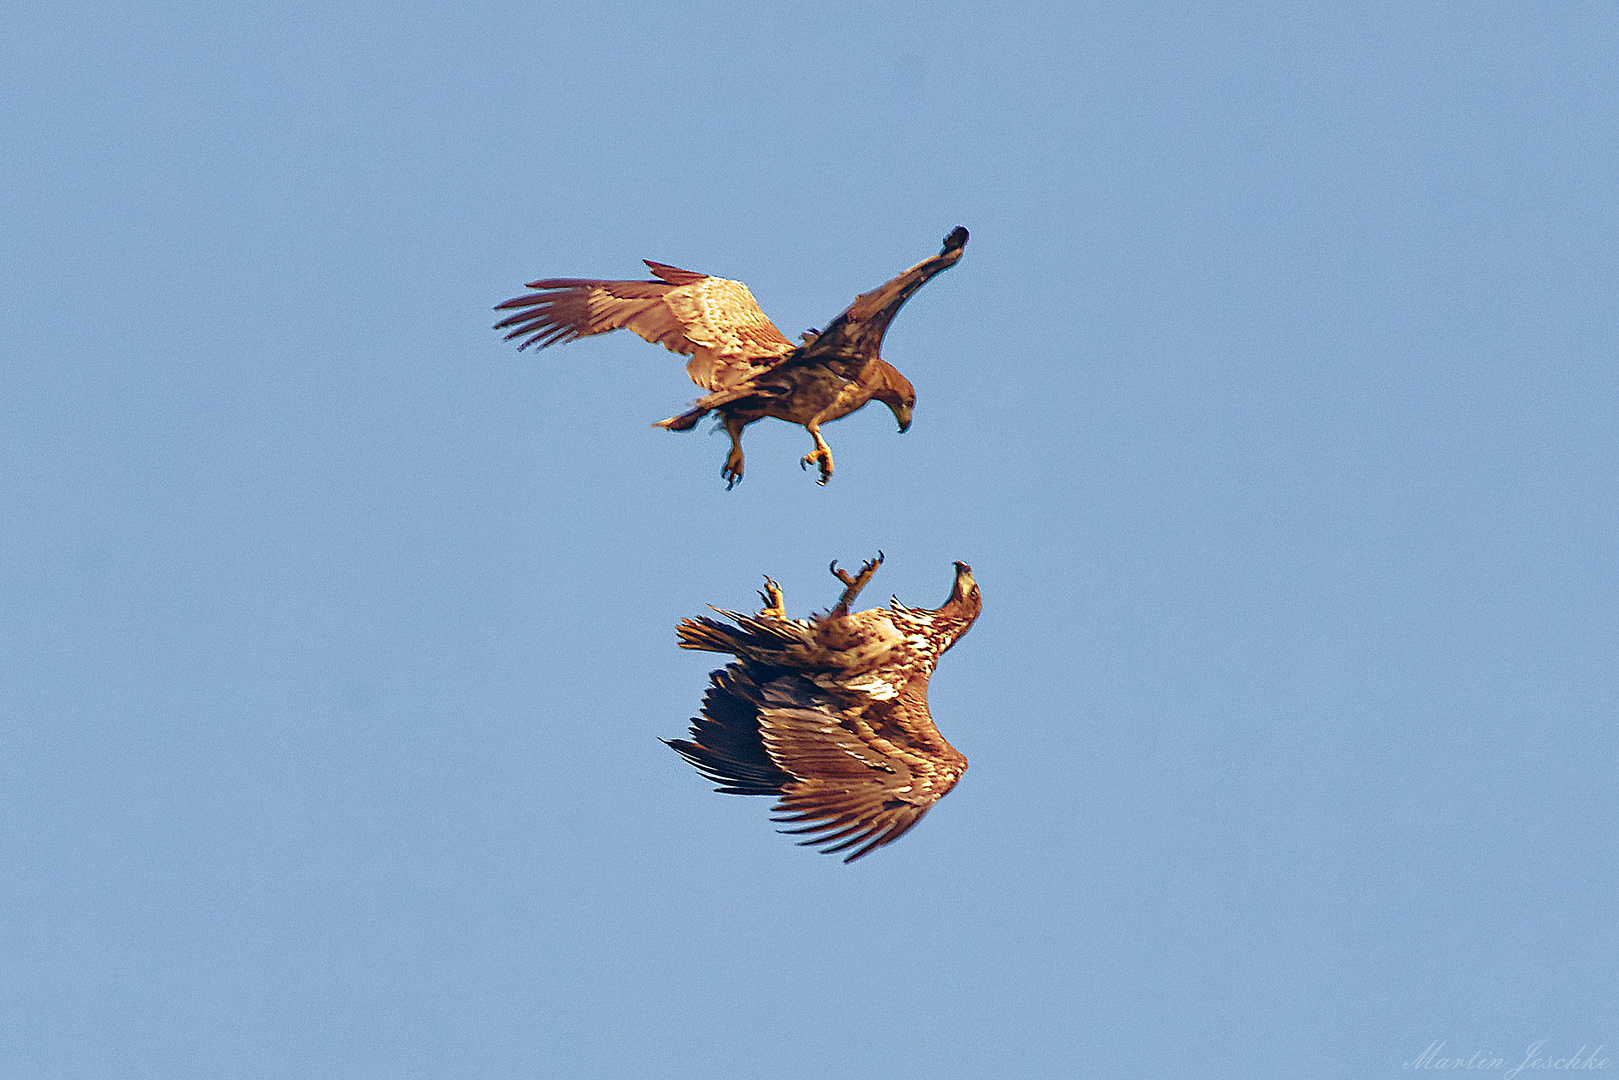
775, 604
731, 471
853, 584
821, 456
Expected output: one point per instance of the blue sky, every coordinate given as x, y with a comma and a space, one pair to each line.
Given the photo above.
1273, 403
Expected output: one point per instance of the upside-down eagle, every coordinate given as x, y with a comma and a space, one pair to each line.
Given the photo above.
749, 366
830, 714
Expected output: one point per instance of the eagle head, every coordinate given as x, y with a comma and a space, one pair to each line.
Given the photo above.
959, 612
966, 589
895, 391
902, 414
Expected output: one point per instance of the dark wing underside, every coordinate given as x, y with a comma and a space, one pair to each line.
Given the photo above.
726, 746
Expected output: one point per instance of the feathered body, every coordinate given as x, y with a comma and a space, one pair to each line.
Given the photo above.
737, 353
830, 714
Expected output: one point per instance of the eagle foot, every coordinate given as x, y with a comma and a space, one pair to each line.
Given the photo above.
775, 604
731, 471
821, 456
853, 583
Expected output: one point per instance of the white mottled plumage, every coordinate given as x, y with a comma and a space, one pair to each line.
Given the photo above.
830, 713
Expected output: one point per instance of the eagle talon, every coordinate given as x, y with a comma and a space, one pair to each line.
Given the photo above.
822, 458
853, 583
775, 603
731, 471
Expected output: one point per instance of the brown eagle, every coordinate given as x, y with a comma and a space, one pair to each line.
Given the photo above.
830, 714
737, 353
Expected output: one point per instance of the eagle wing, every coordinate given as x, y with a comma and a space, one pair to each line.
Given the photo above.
715, 321
863, 771
857, 334
849, 770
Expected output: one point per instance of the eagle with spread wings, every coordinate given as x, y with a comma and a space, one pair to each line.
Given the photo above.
830, 714
748, 366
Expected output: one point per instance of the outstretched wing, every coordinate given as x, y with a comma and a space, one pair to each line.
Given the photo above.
713, 320
850, 772
864, 771
858, 332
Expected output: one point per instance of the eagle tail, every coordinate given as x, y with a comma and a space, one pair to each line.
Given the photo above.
709, 635
753, 639
684, 422
709, 402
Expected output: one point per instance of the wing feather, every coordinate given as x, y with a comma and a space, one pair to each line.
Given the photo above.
857, 334
715, 321
773, 730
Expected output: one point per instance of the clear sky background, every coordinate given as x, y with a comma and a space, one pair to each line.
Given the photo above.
1274, 404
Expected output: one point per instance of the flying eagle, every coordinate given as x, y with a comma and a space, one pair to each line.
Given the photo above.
830, 714
749, 367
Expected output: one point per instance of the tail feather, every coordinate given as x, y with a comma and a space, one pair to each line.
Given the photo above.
752, 638
706, 404
684, 422
710, 635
